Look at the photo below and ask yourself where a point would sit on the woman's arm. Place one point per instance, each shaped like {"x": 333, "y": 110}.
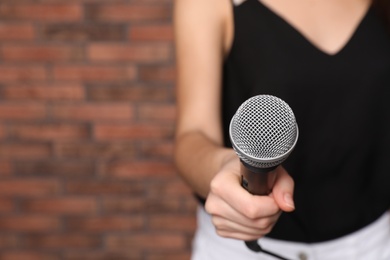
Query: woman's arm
{"x": 203, "y": 31}
{"x": 199, "y": 36}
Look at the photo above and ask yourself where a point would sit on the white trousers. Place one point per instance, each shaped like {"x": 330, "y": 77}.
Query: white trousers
{"x": 370, "y": 243}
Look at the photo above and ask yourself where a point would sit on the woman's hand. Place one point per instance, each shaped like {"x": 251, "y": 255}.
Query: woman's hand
{"x": 238, "y": 214}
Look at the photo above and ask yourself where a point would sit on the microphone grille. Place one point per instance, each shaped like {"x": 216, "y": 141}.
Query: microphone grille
{"x": 263, "y": 131}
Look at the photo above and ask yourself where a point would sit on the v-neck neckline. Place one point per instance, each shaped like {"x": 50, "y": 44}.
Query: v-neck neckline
{"x": 308, "y": 40}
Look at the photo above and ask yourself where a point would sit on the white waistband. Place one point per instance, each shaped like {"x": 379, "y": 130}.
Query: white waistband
{"x": 370, "y": 243}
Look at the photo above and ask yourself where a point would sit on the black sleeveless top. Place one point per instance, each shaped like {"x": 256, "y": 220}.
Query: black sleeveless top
{"x": 342, "y": 105}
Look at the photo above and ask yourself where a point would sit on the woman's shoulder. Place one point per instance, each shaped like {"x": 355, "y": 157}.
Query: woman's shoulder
{"x": 204, "y": 8}
{"x": 203, "y": 14}
{"x": 204, "y": 22}
{"x": 206, "y": 3}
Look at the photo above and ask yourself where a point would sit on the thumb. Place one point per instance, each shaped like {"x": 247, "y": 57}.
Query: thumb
{"x": 283, "y": 190}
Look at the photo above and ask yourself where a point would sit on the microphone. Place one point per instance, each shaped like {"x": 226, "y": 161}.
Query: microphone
{"x": 263, "y": 133}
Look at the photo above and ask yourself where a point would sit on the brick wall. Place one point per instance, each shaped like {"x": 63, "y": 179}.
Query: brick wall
{"x": 86, "y": 126}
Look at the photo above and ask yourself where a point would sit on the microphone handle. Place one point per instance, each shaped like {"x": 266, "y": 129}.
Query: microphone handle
{"x": 257, "y": 181}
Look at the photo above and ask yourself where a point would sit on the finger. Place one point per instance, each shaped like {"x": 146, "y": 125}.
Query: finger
{"x": 230, "y": 190}
{"x": 283, "y": 190}
{"x": 239, "y": 235}
{"x": 219, "y": 208}
{"x": 256, "y": 228}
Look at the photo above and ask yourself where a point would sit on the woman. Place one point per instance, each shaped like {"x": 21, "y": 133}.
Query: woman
{"x": 330, "y": 61}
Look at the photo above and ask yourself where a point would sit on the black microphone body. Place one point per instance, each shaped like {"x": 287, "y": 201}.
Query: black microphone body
{"x": 263, "y": 133}
{"x": 257, "y": 181}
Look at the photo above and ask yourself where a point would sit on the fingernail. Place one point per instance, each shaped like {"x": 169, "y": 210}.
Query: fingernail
{"x": 289, "y": 200}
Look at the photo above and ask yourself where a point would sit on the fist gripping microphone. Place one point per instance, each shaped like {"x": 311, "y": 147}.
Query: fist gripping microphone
{"x": 263, "y": 133}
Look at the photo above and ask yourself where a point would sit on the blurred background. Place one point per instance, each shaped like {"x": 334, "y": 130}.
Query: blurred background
{"x": 86, "y": 129}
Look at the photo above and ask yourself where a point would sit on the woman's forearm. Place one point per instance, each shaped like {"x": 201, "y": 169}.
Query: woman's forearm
{"x": 198, "y": 159}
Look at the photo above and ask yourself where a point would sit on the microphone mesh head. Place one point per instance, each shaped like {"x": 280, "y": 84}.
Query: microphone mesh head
{"x": 263, "y": 131}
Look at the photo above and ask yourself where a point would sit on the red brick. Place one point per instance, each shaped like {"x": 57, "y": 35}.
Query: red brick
{"x": 96, "y": 150}
{"x": 6, "y": 206}
{"x": 94, "y": 73}
{"x": 55, "y": 132}
{"x": 29, "y": 188}
{"x": 106, "y": 224}
{"x": 141, "y": 205}
{"x": 41, "y": 12}
{"x": 27, "y": 255}
{"x": 157, "y": 74}
{"x": 92, "y": 112}
{"x": 84, "y": 32}
{"x": 157, "y": 112}
{"x": 105, "y": 188}
{"x": 80, "y": 180}
{"x": 102, "y": 255}
{"x": 22, "y": 111}
{"x": 132, "y": 132}
{"x": 16, "y": 32}
{"x": 62, "y": 241}
{"x": 131, "y": 93}
{"x": 186, "y": 223}
{"x": 3, "y": 132}
{"x": 137, "y": 170}
{"x": 43, "y": 92}
{"x": 156, "y": 150}
{"x": 62, "y": 206}
{"x": 128, "y": 13}
{"x": 8, "y": 241}
{"x": 190, "y": 205}
{"x": 29, "y": 223}
{"x": 135, "y": 53}
{"x": 5, "y": 168}
{"x": 153, "y": 32}
{"x": 171, "y": 256}
{"x": 24, "y": 151}
{"x": 48, "y": 53}
{"x": 12, "y": 73}
{"x": 175, "y": 188}
{"x": 146, "y": 242}
{"x": 55, "y": 168}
